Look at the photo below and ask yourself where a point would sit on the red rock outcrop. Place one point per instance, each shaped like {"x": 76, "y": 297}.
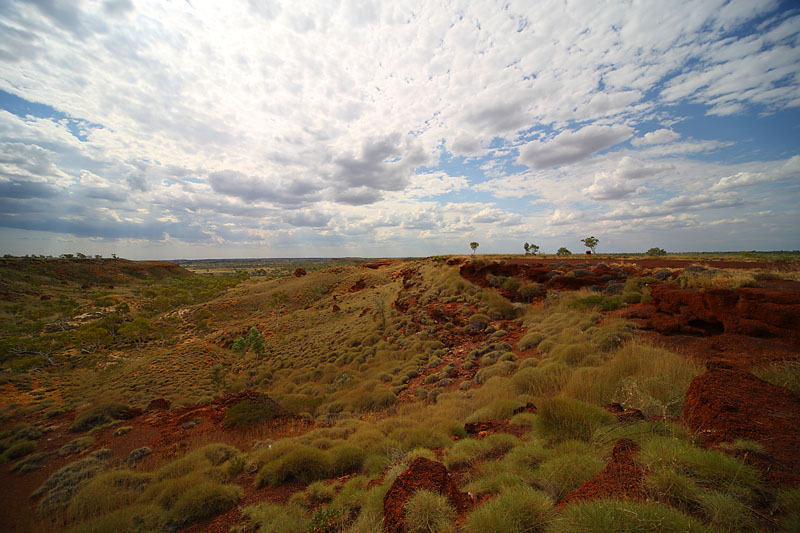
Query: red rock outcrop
{"x": 622, "y": 478}
{"x": 726, "y": 403}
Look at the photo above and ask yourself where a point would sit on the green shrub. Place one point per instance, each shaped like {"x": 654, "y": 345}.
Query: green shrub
{"x": 17, "y": 450}
{"x": 710, "y": 469}
{"x": 98, "y": 416}
{"x": 347, "y": 459}
{"x": 600, "y": 302}
{"x": 788, "y": 503}
{"x": 497, "y": 410}
{"x": 726, "y": 513}
{"x": 543, "y": 380}
{"x": 478, "y": 321}
{"x": 530, "y": 340}
{"x": 303, "y": 464}
{"x": 248, "y": 413}
{"x": 492, "y": 482}
{"x": 565, "y": 418}
{"x": 56, "y": 492}
{"x": 205, "y": 499}
{"x": 464, "y": 452}
{"x": 76, "y": 445}
{"x": 503, "y": 368}
{"x": 141, "y": 517}
{"x": 623, "y": 515}
{"x": 782, "y": 373}
{"x": 529, "y": 291}
{"x": 270, "y": 517}
{"x": 426, "y": 438}
{"x": 428, "y": 511}
{"x": 563, "y": 473}
{"x": 329, "y": 518}
{"x": 512, "y": 284}
{"x": 107, "y": 492}
{"x": 29, "y": 464}
{"x": 517, "y": 509}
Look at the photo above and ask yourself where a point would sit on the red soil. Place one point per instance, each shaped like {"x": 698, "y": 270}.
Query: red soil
{"x": 621, "y": 478}
{"x": 660, "y": 263}
{"x": 422, "y": 474}
{"x": 726, "y": 404}
{"x": 754, "y": 312}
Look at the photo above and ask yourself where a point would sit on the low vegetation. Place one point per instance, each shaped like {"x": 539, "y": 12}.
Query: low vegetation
{"x": 370, "y": 366}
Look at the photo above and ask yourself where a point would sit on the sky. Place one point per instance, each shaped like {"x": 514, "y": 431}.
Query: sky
{"x": 258, "y": 128}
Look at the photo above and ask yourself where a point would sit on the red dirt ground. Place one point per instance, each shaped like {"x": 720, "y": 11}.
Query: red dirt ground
{"x": 726, "y": 404}
{"x": 621, "y": 478}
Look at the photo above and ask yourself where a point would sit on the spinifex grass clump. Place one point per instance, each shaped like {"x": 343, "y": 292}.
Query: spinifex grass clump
{"x": 428, "y": 511}
{"x": 249, "y": 413}
{"x": 517, "y": 508}
{"x": 98, "y": 416}
{"x": 56, "y": 492}
{"x": 623, "y": 515}
{"x": 564, "y": 418}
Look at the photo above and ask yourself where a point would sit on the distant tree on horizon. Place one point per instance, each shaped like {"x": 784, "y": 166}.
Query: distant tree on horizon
{"x": 531, "y": 249}
{"x": 474, "y": 245}
{"x": 590, "y": 242}
{"x": 562, "y": 252}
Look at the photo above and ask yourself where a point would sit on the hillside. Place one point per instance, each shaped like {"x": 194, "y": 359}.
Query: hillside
{"x": 448, "y": 393}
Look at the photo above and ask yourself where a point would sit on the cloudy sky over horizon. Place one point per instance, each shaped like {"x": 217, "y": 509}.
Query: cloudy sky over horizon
{"x": 256, "y": 128}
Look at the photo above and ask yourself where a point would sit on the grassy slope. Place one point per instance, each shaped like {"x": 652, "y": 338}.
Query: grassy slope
{"x": 352, "y": 362}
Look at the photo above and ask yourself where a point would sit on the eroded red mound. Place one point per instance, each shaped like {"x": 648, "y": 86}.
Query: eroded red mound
{"x": 754, "y": 312}
{"x": 621, "y": 478}
{"x": 725, "y": 404}
{"x": 422, "y": 474}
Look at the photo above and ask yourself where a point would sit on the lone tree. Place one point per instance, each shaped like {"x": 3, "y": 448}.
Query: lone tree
{"x": 590, "y": 242}
{"x": 531, "y": 249}
{"x": 562, "y": 252}
{"x": 656, "y": 251}
{"x": 474, "y": 245}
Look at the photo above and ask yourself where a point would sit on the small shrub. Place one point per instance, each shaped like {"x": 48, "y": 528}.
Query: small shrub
{"x": 29, "y": 464}
{"x": 600, "y": 302}
{"x": 141, "y": 517}
{"x": 270, "y": 517}
{"x": 624, "y": 515}
{"x": 303, "y": 464}
{"x": 17, "y": 450}
{"x": 59, "y": 488}
{"x": 428, "y": 511}
{"x": 76, "y": 445}
{"x": 782, "y": 373}
{"x": 512, "y": 284}
{"x": 347, "y": 459}
{"x": 564, "y": 418}
{"x": 107, "y": 492}
{"x": 204, "y": 500}
{"x": 502, "y": 368}
{"x": 516, "y": 509}
{"x": 98, "y": 416}
{"x": 248, "y": 413}
{"x": 529, "y": 291}
{"x": 426, "y": 438}
{"x": 478, "y": 321}
{"x": 530, "y": 340}
{"x": 564, "y": 473}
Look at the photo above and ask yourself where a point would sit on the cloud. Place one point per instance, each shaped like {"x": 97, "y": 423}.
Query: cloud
{"x": 789, "y": 170}
{"x": 291, "y": 192}
{"x": 569, "y": 146}
{"x": 611, "y": 187}
{"x": 660, "y": 136}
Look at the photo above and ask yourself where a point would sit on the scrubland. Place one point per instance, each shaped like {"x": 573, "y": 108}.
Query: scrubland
{"x": 372, "y": 366}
